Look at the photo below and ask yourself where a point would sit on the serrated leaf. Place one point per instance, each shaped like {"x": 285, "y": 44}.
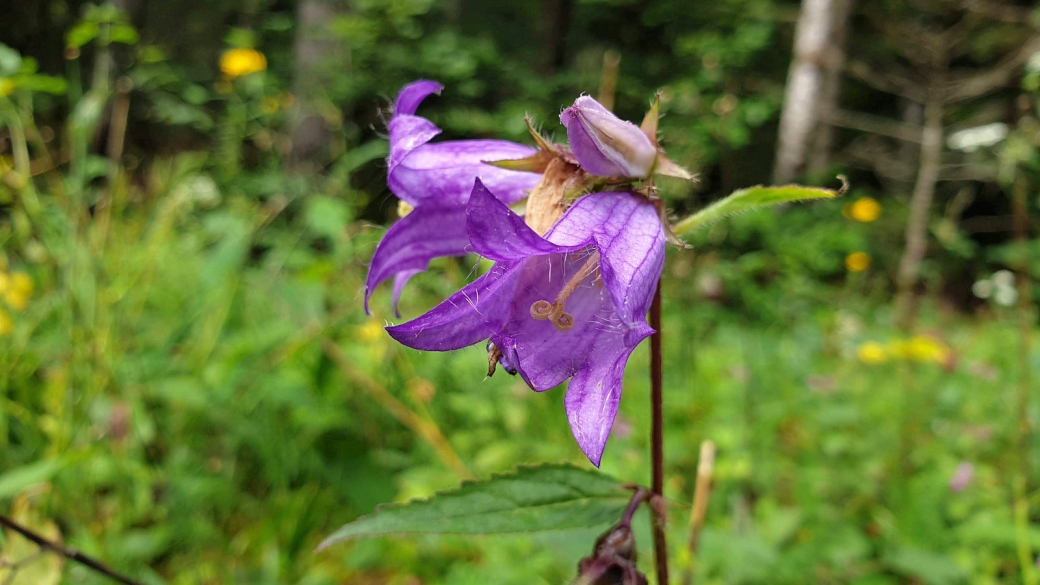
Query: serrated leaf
{"x": 749, "y": 199}
{"x": 529, "y": 499}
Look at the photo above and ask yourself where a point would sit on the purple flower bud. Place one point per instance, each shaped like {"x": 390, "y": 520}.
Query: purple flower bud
{"x": 606, "y": 145}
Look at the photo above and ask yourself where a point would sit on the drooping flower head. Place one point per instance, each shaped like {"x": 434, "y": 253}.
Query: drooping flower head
{"x": 571, "y": 304}
{"x": 435, "y": 180}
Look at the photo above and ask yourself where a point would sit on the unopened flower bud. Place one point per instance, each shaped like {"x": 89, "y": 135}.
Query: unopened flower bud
{"x": 606, "y": 145}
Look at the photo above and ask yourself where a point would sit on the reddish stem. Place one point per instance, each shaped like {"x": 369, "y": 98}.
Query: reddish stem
{"x": 657, "y": 435}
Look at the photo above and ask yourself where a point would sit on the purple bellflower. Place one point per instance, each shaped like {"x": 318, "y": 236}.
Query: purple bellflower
{"x": 435, "y": 180}
{"x": 569, "y": 304}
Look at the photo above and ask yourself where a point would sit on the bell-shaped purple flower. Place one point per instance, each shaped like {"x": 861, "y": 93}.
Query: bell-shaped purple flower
{"x": 571, "y": 304}
{"x": 436, "y": 180}
{"x": 606, "y": 145}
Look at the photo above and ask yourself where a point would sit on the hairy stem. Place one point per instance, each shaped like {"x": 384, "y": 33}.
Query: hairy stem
{"x": 657, "y": 435}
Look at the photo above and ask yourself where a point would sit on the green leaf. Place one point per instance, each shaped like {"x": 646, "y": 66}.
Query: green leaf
{"x": 749, "y": 199}
{"x": 81, "y": 34}
{"x": 40, "y": 83}
{"x": 929, "y": 567}
{"x": 14, "y": 481}
{"x": 123, "y": 33}
{"x": 529, "y": 499}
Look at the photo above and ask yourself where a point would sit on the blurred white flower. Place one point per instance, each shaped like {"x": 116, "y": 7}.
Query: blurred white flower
{"x": 971, "y": 139}
{"x": 982, "y": 289}
{"x": 1005, "y": 296}
{"x": 1004, "y": 278}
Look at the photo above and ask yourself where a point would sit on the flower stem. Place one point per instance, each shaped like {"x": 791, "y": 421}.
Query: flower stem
{"x": 657, "y": 435}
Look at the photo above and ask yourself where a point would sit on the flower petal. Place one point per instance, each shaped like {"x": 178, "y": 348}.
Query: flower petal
{"x": 413, "y": 241}
{"x": 544, "y": 355}
{"x": 443, "y": 172}
{"x": 466, "y": 317}
{"x": 498, "y": 233}
{"x": 592, "y": 402}
{"x": 628, "y": 234}
{"x": 413, "y": 94}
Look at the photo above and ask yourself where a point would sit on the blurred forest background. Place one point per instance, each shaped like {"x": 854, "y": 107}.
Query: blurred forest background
{"x": 190, "y": 193}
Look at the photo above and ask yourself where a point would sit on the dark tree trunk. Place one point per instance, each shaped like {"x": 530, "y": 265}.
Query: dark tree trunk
{"x": 313, "y": 49}
{"x": 554, "y": 26}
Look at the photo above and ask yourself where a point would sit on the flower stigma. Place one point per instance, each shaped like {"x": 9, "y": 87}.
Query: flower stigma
{"x": 555, "y": 311}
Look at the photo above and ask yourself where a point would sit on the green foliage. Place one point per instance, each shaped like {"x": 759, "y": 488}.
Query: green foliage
{"x": 531, "y": 499}
{"x": 749, "y": 199}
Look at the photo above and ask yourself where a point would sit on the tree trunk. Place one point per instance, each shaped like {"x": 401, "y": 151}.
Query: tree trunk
{"x": 920, "y": 207}
{"x": 804, "y": 89}
{"x": 830, "y": 94}
{"x": 313, "y": 48}
{"x": 555, "y": 24}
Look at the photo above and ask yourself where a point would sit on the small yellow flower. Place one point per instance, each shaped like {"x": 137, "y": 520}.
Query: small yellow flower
{"x": 16, "y": 289}
{"x": 872, "y": 353}
{"x": 6, "y": 324}
{"x": 238, "y": 62}
{"x": 857, "y": 261}
{"x": 865, "y": 209}
{"x": 269, "y": 105}
{"x": 369, "y": 332}
{"x": 922, "y": 348}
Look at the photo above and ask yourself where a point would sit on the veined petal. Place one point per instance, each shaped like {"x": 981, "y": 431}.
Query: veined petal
{"x": 498, "y": 233}
{"x": 466, "y": 317}
{"x": 592, "y": 402}
{"x": 413, "y": 94}
{"x": 628, "y": 234}
{"x": 443, "y": 172}
{"x": 412, "y": 242}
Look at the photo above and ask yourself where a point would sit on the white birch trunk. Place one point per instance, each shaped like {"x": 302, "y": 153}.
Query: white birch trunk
{"x": 804, "y": 88}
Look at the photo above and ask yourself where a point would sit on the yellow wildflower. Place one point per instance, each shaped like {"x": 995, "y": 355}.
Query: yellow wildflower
{"x": 16, "y": 288}
{"x": 922, "y": 348}
{"x": 238, "y": 62}
{"x": 6, "y": 324}
{"x": 865, "y": 209}
{"x": 857, "y": 261}
{"x": 369, "y": 332}
{"x": 872, "y": 353}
